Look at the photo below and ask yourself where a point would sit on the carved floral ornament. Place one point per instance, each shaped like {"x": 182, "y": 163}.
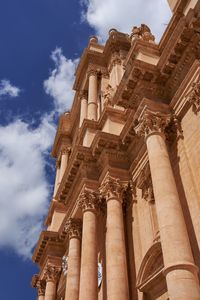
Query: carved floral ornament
{"x": 89, "y": 200}
{"x": 151, "y": 123}
{"x": 73, "y": 228}
{"x": 52, "y": 273}
{"x": 39, "y": 284}
{"x": 112, "y": 188}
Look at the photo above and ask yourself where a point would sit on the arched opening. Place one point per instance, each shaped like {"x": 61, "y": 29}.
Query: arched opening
{"x": 151, "y": 280}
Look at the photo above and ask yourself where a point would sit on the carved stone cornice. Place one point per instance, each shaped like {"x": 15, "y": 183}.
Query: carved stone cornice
{"x": 52, "y": 273}
{"x": 73, "y": 228}
{"x": 112, "y": 188}
{"x": 39, "y": 284}
{"x": 89, "y": 201}
{"x": 152, "y": 123}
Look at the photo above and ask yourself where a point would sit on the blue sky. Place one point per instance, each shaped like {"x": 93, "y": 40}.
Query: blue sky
{"x": 41, "y": 42}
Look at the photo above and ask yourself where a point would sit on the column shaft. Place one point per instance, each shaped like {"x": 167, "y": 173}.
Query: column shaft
{"x": 63, "y": 164}
{"x": 179, "y": 264}
{"x": 89, "y": 262}
{"x": 92, "y": 96}
{"x": 41, "y": 297}
{"x": 116, "y": 267}
{"x": 50, "y": 291}
{"x": 83, "y": 109}
{"x": 73, "y": 275}
{"x": 56, "y": 180}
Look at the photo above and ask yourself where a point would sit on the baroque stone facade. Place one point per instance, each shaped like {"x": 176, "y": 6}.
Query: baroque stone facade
{"x": 124, "y": 220}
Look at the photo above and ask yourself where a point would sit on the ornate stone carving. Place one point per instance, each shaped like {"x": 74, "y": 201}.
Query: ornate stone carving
{"x": 83, "y": 94}
{"x": 73, "y": 228}
{"x": 174, "y": 130}
{"x": 143, "y": 32}
{"x": 89, "y": 200}
{"x": 65, "y": 150}
{"x": 39, "y": 284}
{"x": 108, "y": 95}
{"x": 65, "y": 264}
{"x": 92, "y": 70}
{"x": 144, "y": 183}
{"x": 194, "y": 97}
{"x": 152, "y": 122}
{"x": 52, "y": 273}
{"x": 112, "y": 188}
{"x": 129, "y": 196}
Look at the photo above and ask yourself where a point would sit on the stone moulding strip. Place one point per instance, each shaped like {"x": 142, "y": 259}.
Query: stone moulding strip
{"x": 181, "y": 266}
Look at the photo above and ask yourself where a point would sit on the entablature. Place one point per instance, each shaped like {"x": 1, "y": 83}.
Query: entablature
{"x": 63, "y": 134}
{"x": 49, "y": 243}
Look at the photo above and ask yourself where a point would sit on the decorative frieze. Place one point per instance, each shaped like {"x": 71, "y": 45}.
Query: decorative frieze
{"x": 52, "y": 273}
{"x": 89, "y": 200}
{"x": 73, "y": 228}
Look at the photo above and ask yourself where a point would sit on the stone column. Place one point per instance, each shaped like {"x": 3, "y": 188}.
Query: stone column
{"x": 39, "y": 285}
{"x": 51, "y": 275}
{"x": 89, "y": 260}
{"x": 116, "y": 265}
{"x": 57, "y": 178}
{"x": 92, "y": 95}
{"x": 180, "y": 270}
{"x": 73, "y": 229}
{"x": 83, "y": 107}
{"x": 65, "y": 151}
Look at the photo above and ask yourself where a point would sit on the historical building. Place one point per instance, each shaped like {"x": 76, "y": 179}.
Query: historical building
{"x": 124, "y": 220}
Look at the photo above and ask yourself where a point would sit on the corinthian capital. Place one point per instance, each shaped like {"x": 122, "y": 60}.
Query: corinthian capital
{"x": 73, "y": 228}
{"x": 152, "y": 123}
{"x": 89, "y": 200}
{"x": 52, "y": 273}
{"x": 112, "y": 188}
{"x": 39, "y": 284}
{"x": 92, "y": 70}
{"x": 65, "y": 150}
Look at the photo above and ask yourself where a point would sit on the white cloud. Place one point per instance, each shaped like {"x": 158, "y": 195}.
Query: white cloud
{"x": 59, "y": 84}
{"x": 24, "y": 190}
{"x": 124, "y": 14}
{"x": 7, "y": 89}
